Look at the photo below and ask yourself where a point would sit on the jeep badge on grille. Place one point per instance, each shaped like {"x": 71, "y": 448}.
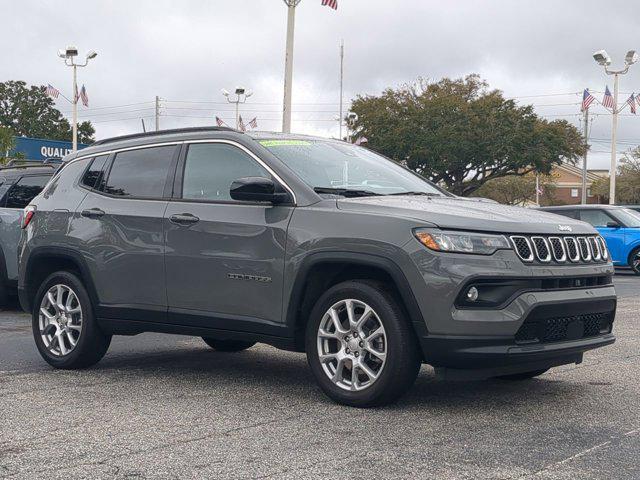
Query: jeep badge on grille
{"x": 565, "y": 228}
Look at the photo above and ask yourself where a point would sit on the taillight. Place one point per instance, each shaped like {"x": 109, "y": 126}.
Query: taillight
{"x": 29, "y": 212}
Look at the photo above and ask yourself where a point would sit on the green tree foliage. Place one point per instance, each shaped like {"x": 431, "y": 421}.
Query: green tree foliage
{"x": 461, "y": 134}
{"x": 517, "y": 190}
{"x": 627, "y": 180}
{"x": 6, "y": 142}
{"x": 29, "y": 112}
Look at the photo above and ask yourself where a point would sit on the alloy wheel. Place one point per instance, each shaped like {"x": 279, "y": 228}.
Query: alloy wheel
{"x": 60, "y": 320}
{"x": 635, "y": 262}
{"x": 352, "y": 345}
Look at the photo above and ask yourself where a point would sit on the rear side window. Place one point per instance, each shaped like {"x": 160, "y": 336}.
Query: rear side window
{"x": 23, "y": 191}
{"x": 597, "y": 218}
{"x": 565, "y": 213}
{"x": 210, "y": 168}
{"x": 94, "y": 176}
{"x": 140, "y": 173}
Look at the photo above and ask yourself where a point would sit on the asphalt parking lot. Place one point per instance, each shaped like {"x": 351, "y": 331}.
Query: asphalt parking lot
{"x": 169, "y": 407}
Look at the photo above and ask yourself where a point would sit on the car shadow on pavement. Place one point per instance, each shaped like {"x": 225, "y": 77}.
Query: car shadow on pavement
{"x": 267, "y": 372}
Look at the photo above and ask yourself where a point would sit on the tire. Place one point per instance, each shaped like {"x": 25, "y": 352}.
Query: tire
{"x": 4, "y": 295}
{"x": 524, "y": 375}
{"x": 227, "y": 345}
{"x": 634, "y": 261}
{"x": 91, "y": 343}
{"x": 393, "y": 376}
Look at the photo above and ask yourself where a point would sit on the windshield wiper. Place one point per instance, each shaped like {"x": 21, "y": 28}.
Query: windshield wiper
{"x": 426, "y": 194}
{"x": 346, "y": 192}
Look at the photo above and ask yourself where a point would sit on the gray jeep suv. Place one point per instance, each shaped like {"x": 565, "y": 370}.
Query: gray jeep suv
{"x": 311, "y": 245}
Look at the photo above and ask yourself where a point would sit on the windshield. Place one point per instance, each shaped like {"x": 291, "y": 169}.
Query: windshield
{"x": 329, "y": 165}
{"x": 628, "y": 217}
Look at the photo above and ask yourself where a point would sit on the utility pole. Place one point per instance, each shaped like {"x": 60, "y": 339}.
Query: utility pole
{"x": 537, "y": 189}
{"x": 341, "y": 82}
{"x": 157, "y": 113}
{"x": 603, "y": 59}
{"x": 288, "y": 65}
{"x": 584, "y": 159}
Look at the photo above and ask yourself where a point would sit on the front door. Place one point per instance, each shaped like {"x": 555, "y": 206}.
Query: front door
{"x": 224, "y": 258}
{"x": 614, "y": 236}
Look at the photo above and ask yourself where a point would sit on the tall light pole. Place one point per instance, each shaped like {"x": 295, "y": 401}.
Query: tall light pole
{"x": 288, "y": 65}
{"x": 241, "y": 97}
{"x": 603, "y": 59}
{"x": 69, "y": 54}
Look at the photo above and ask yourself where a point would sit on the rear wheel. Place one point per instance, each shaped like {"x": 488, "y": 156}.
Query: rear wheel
{"x": 64, "y": 327}
{"x": 524, "y": 375}
{"x": 227, "y": 345}
{"x": 634, "y": 261}
{"x": 360, "y": 346}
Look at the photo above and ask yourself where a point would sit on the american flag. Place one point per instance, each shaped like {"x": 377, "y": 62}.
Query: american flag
{"x": 219, "y": 121}
{"x": 632, "y": 103}
{"x": 331, "y": 3}
{"x": 241, "y": 124}
{"x": 84, "y": 97}
{"x": 52, "y": 91}
{"x": 254, "y": 123}
{"x": 75, "y": 95}
{"x": 587, "y": 99}
{"x": 607, "y": 100}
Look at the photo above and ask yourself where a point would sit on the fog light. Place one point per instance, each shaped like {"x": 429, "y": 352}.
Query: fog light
{"x": 472, "y": 294}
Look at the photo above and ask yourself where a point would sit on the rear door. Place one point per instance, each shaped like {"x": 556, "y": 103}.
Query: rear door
{"x": 224, "y": 258}
{"x": 119, "y": 228}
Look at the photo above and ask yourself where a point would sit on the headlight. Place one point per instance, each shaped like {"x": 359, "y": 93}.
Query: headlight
{"x": 461, "y": 242}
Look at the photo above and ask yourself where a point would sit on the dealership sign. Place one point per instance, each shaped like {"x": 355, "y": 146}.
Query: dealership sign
{"x": 40, "y": 149}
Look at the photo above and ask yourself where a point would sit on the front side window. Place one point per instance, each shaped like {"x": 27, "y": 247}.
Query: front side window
{"x": 210, "y": 168}
{"x": 597, "y": 218}
{"x": 94, "y": 176}
{"x": 325, "y": 164}
{"x": 627, "y": 217}
{"x": 23, "y": 191}
{"x": 140, "y": 173}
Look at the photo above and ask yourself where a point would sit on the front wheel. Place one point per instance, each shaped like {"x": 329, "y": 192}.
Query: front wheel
{"x": 634, "y": 261}
{"x": 64, "y": 327}
{"x": 360, "y": 347}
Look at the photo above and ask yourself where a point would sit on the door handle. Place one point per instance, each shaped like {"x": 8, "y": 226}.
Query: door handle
{"x": 92, "y": 213}
{"x": 183, "y": 218}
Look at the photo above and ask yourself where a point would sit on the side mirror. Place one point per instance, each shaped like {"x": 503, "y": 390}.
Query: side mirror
{"x": 613, "y": 224}
{"x": 258, "y": 189}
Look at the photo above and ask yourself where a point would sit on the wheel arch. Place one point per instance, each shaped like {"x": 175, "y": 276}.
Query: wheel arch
{"x": 43, "y": 261}
{"x": 321, "y": 270}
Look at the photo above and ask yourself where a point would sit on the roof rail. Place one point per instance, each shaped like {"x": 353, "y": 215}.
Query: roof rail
{"x": 164, "y": 132}
{"x": 31, "y": 164}
{"x": 52, "y": 160}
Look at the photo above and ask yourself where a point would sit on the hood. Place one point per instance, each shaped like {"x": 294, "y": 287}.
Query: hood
{"x": 467, "y": 214}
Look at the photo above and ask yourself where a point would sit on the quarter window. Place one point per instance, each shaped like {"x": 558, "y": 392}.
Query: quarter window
{"x": 23, "y": 191}
{"x": 210, "y": 168}
{"x": 140, "y": 173}
{"x": 94, "y": 176}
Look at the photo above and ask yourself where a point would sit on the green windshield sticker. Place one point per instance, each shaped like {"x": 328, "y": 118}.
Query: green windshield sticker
{"x": 279, "y": 143}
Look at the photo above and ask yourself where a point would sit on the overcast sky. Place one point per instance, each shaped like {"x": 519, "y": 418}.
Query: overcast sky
{"x": 187, "y": 51}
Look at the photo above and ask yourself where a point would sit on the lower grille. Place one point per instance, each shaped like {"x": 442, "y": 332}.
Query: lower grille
{"x": 560, "y": 329}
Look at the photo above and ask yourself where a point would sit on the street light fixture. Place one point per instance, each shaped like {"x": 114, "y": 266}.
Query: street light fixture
{"x": 241, "y": 97}
{"x": 68, "y": 54}
{"x": 603, "y": 59}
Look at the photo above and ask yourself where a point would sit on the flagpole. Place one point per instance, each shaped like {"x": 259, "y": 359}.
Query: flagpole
{"x": 537, "y": 189}
{"x": 288, "y": 65}
{"x": 584, "y": 159}
{"x": 341, "y": 83}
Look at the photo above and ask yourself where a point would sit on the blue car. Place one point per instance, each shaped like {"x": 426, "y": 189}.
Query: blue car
{"x": 620, "y": 227}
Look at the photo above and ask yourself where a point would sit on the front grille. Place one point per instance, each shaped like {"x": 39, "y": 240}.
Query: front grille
{"x": 560, "y": 250}
{"x": 559, "y": 329}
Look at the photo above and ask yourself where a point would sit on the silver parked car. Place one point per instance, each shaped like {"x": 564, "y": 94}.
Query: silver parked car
{"x": 19, "y": 183}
